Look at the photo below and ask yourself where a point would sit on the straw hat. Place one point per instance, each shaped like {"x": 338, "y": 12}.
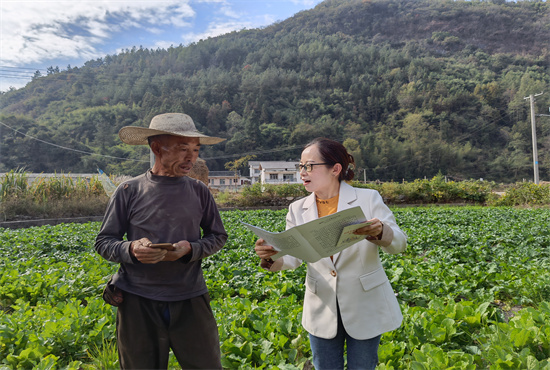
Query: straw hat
{"x": 177, "y": 124}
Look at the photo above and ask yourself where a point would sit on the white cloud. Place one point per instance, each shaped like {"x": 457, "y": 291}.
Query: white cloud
{"x": 35, "y": 34}
{"x": 33, "y": 31}
{"x": 215, "y": 29}
{"x": 306, "y": 3}
{"x": 229, "y": 12}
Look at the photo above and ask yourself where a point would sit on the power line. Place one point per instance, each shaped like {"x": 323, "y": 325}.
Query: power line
{"x": 70, "y": 149}
{"x": 11, "y": 71}
{"x": 256, "y": 152}
{"x": 16, "y": 77}
{"x": 138, "y": 160}
{"x": 30, "y": 69}
{"x": 19, "y": 72}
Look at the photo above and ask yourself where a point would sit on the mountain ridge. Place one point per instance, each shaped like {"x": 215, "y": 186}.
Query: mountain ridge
{"x": 412, "y": 88}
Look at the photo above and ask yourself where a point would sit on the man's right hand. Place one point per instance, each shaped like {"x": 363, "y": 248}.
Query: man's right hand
{"x": 144, "y": 254}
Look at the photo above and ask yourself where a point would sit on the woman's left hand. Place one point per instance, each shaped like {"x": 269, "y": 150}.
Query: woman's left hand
{"x": 372, "y": 230}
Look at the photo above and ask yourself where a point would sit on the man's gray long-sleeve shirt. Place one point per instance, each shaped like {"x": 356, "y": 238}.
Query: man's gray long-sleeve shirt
{"x": 164, "y": 210}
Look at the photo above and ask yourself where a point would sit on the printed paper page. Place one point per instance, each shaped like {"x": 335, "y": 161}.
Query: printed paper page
{"x": 316, "y": 239}
{"x": 286, "y": 242}
{"x": 324, "y": 234}
{"x": 348, "y": 237}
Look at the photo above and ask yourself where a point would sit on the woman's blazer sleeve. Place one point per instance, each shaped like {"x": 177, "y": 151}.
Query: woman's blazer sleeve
{"x": 394, "y": 240}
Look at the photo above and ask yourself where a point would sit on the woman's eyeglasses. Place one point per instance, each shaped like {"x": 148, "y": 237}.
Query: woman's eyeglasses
{"x": 309, "y": 166}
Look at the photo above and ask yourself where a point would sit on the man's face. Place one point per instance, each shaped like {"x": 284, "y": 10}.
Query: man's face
{"x": 175, "y": 155}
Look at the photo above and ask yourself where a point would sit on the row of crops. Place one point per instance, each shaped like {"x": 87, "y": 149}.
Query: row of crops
{"x": 474, "y": 287}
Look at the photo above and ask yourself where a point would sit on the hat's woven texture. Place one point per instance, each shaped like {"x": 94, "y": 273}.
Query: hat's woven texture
{"x": 178, "y": 124}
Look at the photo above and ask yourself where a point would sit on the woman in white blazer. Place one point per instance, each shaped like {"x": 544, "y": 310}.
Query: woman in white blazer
{"x": 348, "y": 297}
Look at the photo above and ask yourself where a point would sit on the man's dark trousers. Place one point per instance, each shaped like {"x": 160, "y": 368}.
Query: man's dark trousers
{"x": 147, "y": 329}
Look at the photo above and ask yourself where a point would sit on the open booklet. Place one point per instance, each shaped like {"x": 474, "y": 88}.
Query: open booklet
{"x": 316, "y": 239}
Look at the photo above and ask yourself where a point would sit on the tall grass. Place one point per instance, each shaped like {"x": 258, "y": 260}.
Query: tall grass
{"x": 62, "y": 196}
{"x": 63, "y": 186}
{"x": 13, "y": 184}
{"x": 50, "y": 197}
{"x": 103, "y": 357}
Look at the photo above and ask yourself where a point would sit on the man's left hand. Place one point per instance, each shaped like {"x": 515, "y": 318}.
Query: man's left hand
{"x": 183, "y": 247}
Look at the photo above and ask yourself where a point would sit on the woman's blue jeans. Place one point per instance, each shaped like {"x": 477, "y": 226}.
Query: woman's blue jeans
{"x": 328, "y": 354}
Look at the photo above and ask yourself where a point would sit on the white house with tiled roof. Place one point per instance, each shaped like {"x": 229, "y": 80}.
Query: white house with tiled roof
{"x": 274, "y": 172}
{"x": 226, "y": 180}
{"x": 255, "y": 171}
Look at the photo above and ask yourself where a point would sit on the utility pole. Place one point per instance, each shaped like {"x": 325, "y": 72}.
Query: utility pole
{"x": 534, "y": 136}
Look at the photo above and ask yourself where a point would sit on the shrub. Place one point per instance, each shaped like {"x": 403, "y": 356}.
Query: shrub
{"x": 436, "y": 190}
{"x": 269, "y": 195}
{"x": 524, "y": 193}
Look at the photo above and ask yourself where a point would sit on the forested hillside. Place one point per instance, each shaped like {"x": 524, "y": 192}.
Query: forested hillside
{"x": 412, "y": 88}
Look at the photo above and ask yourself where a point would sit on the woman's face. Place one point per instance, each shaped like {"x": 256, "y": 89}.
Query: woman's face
{"x": 322, "y": 178}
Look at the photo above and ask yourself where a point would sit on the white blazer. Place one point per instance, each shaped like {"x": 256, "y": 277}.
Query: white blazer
{"x": 356, "y": 278}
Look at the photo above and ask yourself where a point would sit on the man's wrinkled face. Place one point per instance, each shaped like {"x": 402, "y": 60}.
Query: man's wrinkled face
{"x": 175, "y": 155}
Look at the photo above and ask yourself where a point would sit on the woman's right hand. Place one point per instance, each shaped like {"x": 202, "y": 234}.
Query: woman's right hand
{"x": 263, "y": 250}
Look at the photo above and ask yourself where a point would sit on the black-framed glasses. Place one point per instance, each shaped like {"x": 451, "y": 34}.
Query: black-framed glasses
{"x": 309, "y": 166}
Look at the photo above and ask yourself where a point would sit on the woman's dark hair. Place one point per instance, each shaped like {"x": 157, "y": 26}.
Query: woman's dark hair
{"x": 333, "y": 152}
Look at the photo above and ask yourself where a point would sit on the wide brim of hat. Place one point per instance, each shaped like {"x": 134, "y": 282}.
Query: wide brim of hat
{"x": 133, "y": 135}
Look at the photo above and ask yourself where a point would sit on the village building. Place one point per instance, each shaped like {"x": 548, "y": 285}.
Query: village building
{"x": 226, "y": 180}
{"x": 274, "y": 172}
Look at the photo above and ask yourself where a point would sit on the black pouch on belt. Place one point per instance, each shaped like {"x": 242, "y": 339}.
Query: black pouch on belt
{"x": 112, "y": 295}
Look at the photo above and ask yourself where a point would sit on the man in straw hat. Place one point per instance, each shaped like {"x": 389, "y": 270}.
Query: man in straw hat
{"x": 159, "y": 290}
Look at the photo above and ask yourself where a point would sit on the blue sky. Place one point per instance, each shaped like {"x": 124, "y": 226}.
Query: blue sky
{"x": 37, "y": 34}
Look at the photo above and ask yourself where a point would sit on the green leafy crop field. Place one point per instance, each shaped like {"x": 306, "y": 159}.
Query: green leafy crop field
{"x": 474, "y": 287}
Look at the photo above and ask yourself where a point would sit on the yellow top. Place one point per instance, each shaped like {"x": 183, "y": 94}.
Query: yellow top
{"x": 326, "y": 207}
